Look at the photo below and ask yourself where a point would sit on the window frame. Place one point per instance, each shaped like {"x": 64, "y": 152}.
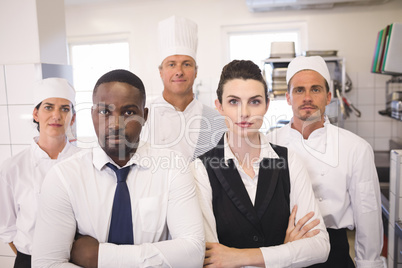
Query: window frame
{"x": 298, "y": 26}
{"x": 91, "y": 141}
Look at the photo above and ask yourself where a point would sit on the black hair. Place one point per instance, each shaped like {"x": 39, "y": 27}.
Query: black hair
{"x": 240, "y": 69}
{"x": 122, "y": 76}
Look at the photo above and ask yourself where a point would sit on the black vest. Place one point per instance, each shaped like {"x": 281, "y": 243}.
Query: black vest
{"x": 240, "y": 224}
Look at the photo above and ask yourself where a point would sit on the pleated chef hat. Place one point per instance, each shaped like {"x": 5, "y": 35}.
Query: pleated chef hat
{"x": 177, "y": 36}
{"x": 315, "y": 63}
{"x": 53, "y": 88}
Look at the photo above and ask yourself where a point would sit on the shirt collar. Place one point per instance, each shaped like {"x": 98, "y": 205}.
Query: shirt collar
{"x": 140, "y": 157}
{"x": 316, "y": 132}
{"x": 316, "y": 140}
{"x": 161, "y": 100}
{"x": 41, "y": 154}
{"x": 266, "y": 150}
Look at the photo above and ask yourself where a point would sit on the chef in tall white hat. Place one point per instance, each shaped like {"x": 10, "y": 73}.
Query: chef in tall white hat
{"x": 340, "y": 164}
{"x": 21, "y": 176}
{"x": 176, "y": 117}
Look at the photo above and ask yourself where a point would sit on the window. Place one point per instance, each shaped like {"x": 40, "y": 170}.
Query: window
{"x": 253, "y": 42}
{"x": 89, "y": 62}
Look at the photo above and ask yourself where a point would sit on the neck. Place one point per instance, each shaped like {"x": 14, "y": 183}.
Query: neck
{"x": 52, "y": 145}
{"x": 306, "y": 127}
{"x": 180, "y": 102}
{"x": 245, "y": 149}
{"x": 122, "y": 159}
{"x": 120, "y": 162}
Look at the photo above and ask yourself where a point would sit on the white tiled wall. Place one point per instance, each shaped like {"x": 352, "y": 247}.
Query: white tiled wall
{"x": 16, "y": 107}
{"x": 17, "y": 128}
{"x": 368, "y": 95}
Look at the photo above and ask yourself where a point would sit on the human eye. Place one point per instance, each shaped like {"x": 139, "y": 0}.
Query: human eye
{"x": 48, "y": 107}
{"x": 255, "y": 101}
{"x": 130, "y": 113}
{"x": 65, "y": 109}
{"x": 104, "y": 111}
{"x": 316, "y": 90}
{"x": 233, "y": 101}
{"x": 299, "y": 90}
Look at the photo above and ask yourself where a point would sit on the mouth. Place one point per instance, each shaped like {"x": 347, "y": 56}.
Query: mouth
{"x": 244, "y": 124}
{"x": 307, "y": 107}
{"x": 55, "y": 125}
{"x": 115, "y": 139}
{"x": 179, "y": 81}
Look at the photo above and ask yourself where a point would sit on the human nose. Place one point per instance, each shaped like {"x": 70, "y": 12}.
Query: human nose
{"x": 307, "y": 96}
{"x": 179, "y": 70}
{"x": 245, "y": 111}
{"x": 116, "y": 122}
{"x": 56, "y": 114}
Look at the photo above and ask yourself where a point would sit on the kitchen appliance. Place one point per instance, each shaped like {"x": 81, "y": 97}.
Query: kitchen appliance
{"x": 396, "y": 109}
{"x": 394, "y": 104}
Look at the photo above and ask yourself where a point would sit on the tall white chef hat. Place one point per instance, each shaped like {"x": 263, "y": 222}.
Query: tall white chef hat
{"x": 177, "y": 36}
{"x": 315, "y": 63}
{"x": 53, "y": 88}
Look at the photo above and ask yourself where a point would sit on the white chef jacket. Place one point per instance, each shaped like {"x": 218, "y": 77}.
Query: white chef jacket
{"x": 298, "y": 253}
{"x": 21, "y": 177}
{"x": 345, "y": 183}
{"x": 77, "y": 195}
{"x": 191, "y": 132}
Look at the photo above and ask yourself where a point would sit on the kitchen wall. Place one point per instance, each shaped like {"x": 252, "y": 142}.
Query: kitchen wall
{"x": 350, "y": 30}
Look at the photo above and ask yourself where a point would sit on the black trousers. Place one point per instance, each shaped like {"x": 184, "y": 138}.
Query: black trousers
{"x": 339, "y": 255}
{"x": 22, "y": 260}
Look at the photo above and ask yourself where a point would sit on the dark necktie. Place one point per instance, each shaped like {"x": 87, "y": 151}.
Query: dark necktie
{"x": 121, "y": 224}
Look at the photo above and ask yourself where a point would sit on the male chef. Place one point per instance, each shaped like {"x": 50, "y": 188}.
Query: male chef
{"x": 176, "y": 119}
{"x": 340, "y": 165}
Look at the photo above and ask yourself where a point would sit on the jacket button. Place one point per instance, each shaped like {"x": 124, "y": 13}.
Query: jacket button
{"x": 255, "y": 238}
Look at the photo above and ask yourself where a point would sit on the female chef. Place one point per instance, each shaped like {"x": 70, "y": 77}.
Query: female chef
{"x": 21, "y": 176}
{"x": 251, "y": 192}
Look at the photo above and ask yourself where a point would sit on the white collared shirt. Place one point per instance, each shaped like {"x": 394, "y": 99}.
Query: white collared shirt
{"x": 77, "y": 195}
{"x": 169, "y": 128}
{"x": 21, "y": 177}
{"x": 299, "y": 253}
{"x": 345, "y": 182}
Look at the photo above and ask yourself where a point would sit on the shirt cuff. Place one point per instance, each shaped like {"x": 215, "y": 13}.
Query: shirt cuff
{"x": 115, "y": 256}
{"x": 370, "y": 264}
{"x": 276, "y": 257}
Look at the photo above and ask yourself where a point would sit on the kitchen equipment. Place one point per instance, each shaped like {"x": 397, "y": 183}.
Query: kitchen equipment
{"x": 396, "y": 95}
{"x": 282, "y": 50}
{"x": 396, "y": 109}
{"x": 322, "y": 53}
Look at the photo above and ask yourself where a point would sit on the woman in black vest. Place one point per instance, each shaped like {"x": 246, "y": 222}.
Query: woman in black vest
{"x": 252, "y": 192}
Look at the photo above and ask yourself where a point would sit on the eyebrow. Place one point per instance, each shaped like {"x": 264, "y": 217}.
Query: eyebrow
{"x": 52, "y": 104}
{"x": 124, "y": 107}
{"x": 253, "y": 97}
{"x": 313, "y": 86}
